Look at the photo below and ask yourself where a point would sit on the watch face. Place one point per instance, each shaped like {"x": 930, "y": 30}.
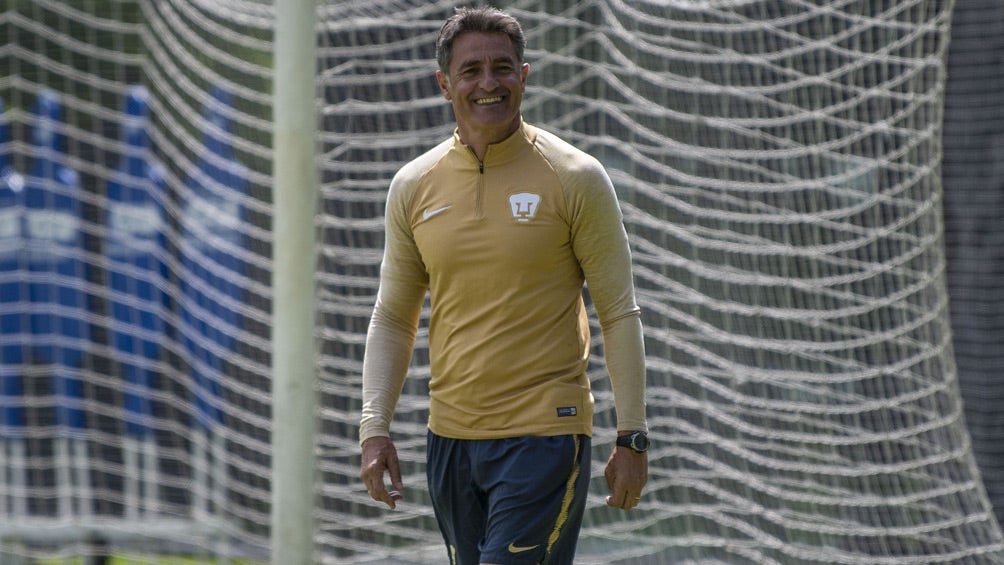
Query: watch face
{"x": 639, "y": 441}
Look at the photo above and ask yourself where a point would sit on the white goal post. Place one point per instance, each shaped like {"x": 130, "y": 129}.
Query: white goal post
{"x": 295, "y": 198}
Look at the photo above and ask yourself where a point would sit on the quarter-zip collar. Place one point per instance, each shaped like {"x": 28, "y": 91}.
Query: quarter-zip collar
{"x": 499, "y": 153}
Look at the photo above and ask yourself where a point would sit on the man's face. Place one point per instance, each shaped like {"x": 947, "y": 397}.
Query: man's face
{"x": 485, "y": 85}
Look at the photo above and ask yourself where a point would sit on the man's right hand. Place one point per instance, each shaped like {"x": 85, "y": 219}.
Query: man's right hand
{"x": 379, "y": 456}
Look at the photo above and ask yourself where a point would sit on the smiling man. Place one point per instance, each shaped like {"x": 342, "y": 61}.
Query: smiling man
{"x": 502, "y": 224}
{"x": 485, "y": 83}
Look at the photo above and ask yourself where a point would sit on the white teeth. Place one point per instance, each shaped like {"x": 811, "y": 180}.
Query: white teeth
{"x": 491, "y": 100}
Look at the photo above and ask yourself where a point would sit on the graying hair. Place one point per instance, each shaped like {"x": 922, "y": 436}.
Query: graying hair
{"x": 481, "y": 19}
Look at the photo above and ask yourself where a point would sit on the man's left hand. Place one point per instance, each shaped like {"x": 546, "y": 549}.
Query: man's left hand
{"x": 626, "y": 473}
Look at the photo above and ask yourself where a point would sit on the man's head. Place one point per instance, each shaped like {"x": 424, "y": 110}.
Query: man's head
{"x": 482, "y": 73}
{"x": 483, "y": 20}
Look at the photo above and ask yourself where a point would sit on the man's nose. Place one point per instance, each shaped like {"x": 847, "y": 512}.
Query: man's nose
{"x": 488, "y": 80}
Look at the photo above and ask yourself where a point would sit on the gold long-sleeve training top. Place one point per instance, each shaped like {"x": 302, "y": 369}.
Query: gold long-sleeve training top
{"x": 503, "y": 246}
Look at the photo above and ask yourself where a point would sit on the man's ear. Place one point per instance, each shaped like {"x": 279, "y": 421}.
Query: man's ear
{"x": 524, "y": 70}
{"x": 444, "y": 84}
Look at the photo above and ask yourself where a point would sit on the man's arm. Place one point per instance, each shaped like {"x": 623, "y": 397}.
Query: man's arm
{"x": 624, "y": 353}
{"x": 601, "y": 245}
{"x": 390, "y": 340}
{"x": 389, "y": 346}
{"x": 623, "y": 348}
{"x": 626, "y": 471}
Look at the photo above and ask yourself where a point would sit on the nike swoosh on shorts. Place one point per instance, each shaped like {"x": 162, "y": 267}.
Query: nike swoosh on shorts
{"x": 513, "y": 548}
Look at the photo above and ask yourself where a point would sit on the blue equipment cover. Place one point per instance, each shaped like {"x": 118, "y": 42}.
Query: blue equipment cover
{"x": 136, "y": 246}
{"x": 54, "y": 246}
{"x": 212, "y": 287}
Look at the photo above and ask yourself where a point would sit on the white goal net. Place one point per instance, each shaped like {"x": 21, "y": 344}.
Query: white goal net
{"x": 779, "y": 167}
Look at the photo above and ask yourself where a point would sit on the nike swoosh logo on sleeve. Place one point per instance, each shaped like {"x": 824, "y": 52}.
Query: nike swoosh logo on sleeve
{"x": 426, "y": 214}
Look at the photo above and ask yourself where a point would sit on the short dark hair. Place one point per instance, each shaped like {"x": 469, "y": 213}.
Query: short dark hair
{"x": 481, "y": 19}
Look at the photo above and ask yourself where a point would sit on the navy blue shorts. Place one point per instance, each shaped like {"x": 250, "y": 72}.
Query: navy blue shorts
{"x": 509, "y": 501}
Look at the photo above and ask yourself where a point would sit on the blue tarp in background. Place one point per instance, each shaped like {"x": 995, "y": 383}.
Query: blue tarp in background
{"x": 54, "y": 246}
{"x": 136, "y": 248}
{"x": 212, "y": 243}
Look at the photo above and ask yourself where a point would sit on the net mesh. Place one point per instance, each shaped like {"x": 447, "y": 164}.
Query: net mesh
{"x": 136, "y": 254}
{"x": 778, "y": 167}
{"x": 778, "y": 164}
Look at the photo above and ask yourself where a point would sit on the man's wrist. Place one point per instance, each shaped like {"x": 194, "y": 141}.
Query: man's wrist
{"x": 373, "y": 435}
{"x": 636, "y": 441}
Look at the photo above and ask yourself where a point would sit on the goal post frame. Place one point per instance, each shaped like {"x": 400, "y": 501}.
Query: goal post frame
{"x": 293, "y": 307}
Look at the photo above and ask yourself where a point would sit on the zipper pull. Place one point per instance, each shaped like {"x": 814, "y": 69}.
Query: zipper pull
{"x": 481, "y": 167}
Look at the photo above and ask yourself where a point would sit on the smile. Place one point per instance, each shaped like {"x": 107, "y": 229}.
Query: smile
{"x": 490, "y": 100}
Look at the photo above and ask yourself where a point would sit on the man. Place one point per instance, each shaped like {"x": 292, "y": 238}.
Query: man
{"x": 502, "y": 224}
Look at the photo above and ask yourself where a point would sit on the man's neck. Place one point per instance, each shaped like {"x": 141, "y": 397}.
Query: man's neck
{"x": 478, "y": 142}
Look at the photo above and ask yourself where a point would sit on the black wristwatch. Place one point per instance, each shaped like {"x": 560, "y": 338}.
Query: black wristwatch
{"x": 635, "y": 441}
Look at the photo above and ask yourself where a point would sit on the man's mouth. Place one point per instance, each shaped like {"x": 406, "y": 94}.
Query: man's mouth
{"x": 488, "y": 100}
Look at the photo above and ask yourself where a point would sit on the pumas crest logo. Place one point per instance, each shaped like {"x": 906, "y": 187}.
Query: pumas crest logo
{"x": 524, "y": 206}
